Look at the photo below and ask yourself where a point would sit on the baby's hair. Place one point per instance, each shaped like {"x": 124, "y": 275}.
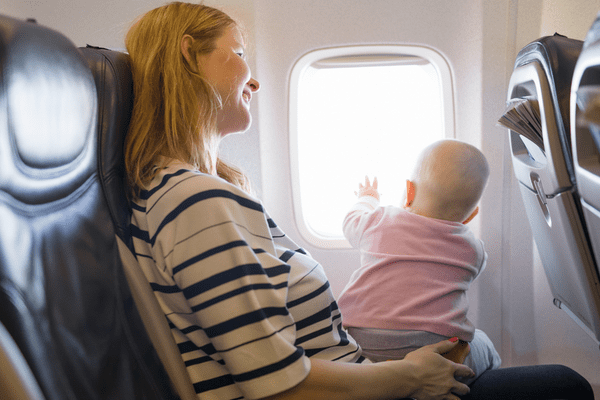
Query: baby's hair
{"x": 449, "y": 176}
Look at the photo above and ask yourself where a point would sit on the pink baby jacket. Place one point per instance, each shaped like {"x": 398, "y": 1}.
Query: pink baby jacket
{"x": 414, "y": 274}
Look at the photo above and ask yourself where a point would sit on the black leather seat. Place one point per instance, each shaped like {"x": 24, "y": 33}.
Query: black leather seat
{"x": 64, "y": 298}
{"x": 543, "y": 71}
{"x": 112, "y": 74}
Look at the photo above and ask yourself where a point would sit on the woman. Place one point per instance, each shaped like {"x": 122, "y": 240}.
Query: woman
{"x": 251, "y": 312}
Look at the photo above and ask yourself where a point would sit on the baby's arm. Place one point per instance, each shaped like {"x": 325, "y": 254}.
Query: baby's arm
{"x": 360, "y": 215}
{"x": 368, "y": 189}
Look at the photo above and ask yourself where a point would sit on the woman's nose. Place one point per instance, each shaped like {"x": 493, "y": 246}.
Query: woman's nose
{"x": 254, "y": 85}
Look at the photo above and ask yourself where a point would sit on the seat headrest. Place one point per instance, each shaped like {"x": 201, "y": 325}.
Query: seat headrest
{"x": 47, "y": 113}
{"x": 593, "y": 35}
{"x": 112, "y": 73}
{"x": 557, "y": 56}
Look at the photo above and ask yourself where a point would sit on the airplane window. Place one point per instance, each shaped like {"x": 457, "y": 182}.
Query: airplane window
{"x": 361, "y": 111}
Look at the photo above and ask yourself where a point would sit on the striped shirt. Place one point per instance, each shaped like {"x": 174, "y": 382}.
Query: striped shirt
{"x": 246, "y": 305}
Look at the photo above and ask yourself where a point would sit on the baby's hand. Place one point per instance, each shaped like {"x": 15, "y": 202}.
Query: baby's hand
{"x": 368, "y": 189}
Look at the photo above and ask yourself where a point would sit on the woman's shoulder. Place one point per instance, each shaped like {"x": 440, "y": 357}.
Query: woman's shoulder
{"x": 179, "y": 183}
{"x": 180, "y": 179}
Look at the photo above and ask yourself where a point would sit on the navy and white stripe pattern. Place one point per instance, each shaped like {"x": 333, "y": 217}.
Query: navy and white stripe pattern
{"x": 245, "y": 304}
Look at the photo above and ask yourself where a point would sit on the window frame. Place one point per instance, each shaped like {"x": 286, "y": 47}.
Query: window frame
{"x": 380, "y": 55}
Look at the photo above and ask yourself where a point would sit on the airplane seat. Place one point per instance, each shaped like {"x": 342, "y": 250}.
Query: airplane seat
{"x": 64, "y": 300}
{"x": 585, "y": 135}
{"x": 543, "y": 165}
{"x": 112, "y": 73}
{"x": 114, "y": 86}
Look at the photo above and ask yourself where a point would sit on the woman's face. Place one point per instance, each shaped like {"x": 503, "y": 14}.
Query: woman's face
{"x": 226, "y": 69}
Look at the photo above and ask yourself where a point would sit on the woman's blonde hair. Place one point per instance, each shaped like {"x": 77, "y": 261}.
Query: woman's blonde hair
{"x": 174, "y": 108}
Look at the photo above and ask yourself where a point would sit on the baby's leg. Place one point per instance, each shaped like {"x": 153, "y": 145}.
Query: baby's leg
{"x": 384, "y": 344}
{"x": 483, "y": 356}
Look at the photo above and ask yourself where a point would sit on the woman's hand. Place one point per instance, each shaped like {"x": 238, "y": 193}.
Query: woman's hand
{"x": 459, "y": 352}
{"x": 435, "y": 375}
{"x": 423, "y": 375}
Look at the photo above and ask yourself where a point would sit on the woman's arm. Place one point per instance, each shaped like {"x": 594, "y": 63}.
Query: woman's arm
{"x": 423, "y": 374}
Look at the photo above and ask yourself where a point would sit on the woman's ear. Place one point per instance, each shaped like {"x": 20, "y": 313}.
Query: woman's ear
{"x": 410, "y": 193}
{"x": 186, "y": 45}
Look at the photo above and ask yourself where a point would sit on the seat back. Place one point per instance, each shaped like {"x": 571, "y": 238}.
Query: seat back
{"x": 112, "y": 73}
{"x": 585, "y": 136}
{"x": 112, "y": 76}
{"x": 64, "y": 298}
{"x": 545, "y": 173}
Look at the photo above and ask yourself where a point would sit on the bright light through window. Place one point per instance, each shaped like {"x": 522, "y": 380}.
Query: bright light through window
{"x": 357, "y": 116}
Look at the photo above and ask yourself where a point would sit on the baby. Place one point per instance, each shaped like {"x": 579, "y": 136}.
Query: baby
{"x": 417, "y": 262}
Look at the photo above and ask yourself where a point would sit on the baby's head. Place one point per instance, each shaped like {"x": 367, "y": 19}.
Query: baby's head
{"x": 448, "y": 181}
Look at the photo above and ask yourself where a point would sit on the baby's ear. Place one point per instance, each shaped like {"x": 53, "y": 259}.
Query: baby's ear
{"x": 410, "y": 193}
{"x": 470, "y": 217}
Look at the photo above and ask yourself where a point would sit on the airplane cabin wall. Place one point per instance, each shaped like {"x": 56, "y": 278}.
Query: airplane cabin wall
{"x": 511, "y": 300}
{"x": 285, "y": 32}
